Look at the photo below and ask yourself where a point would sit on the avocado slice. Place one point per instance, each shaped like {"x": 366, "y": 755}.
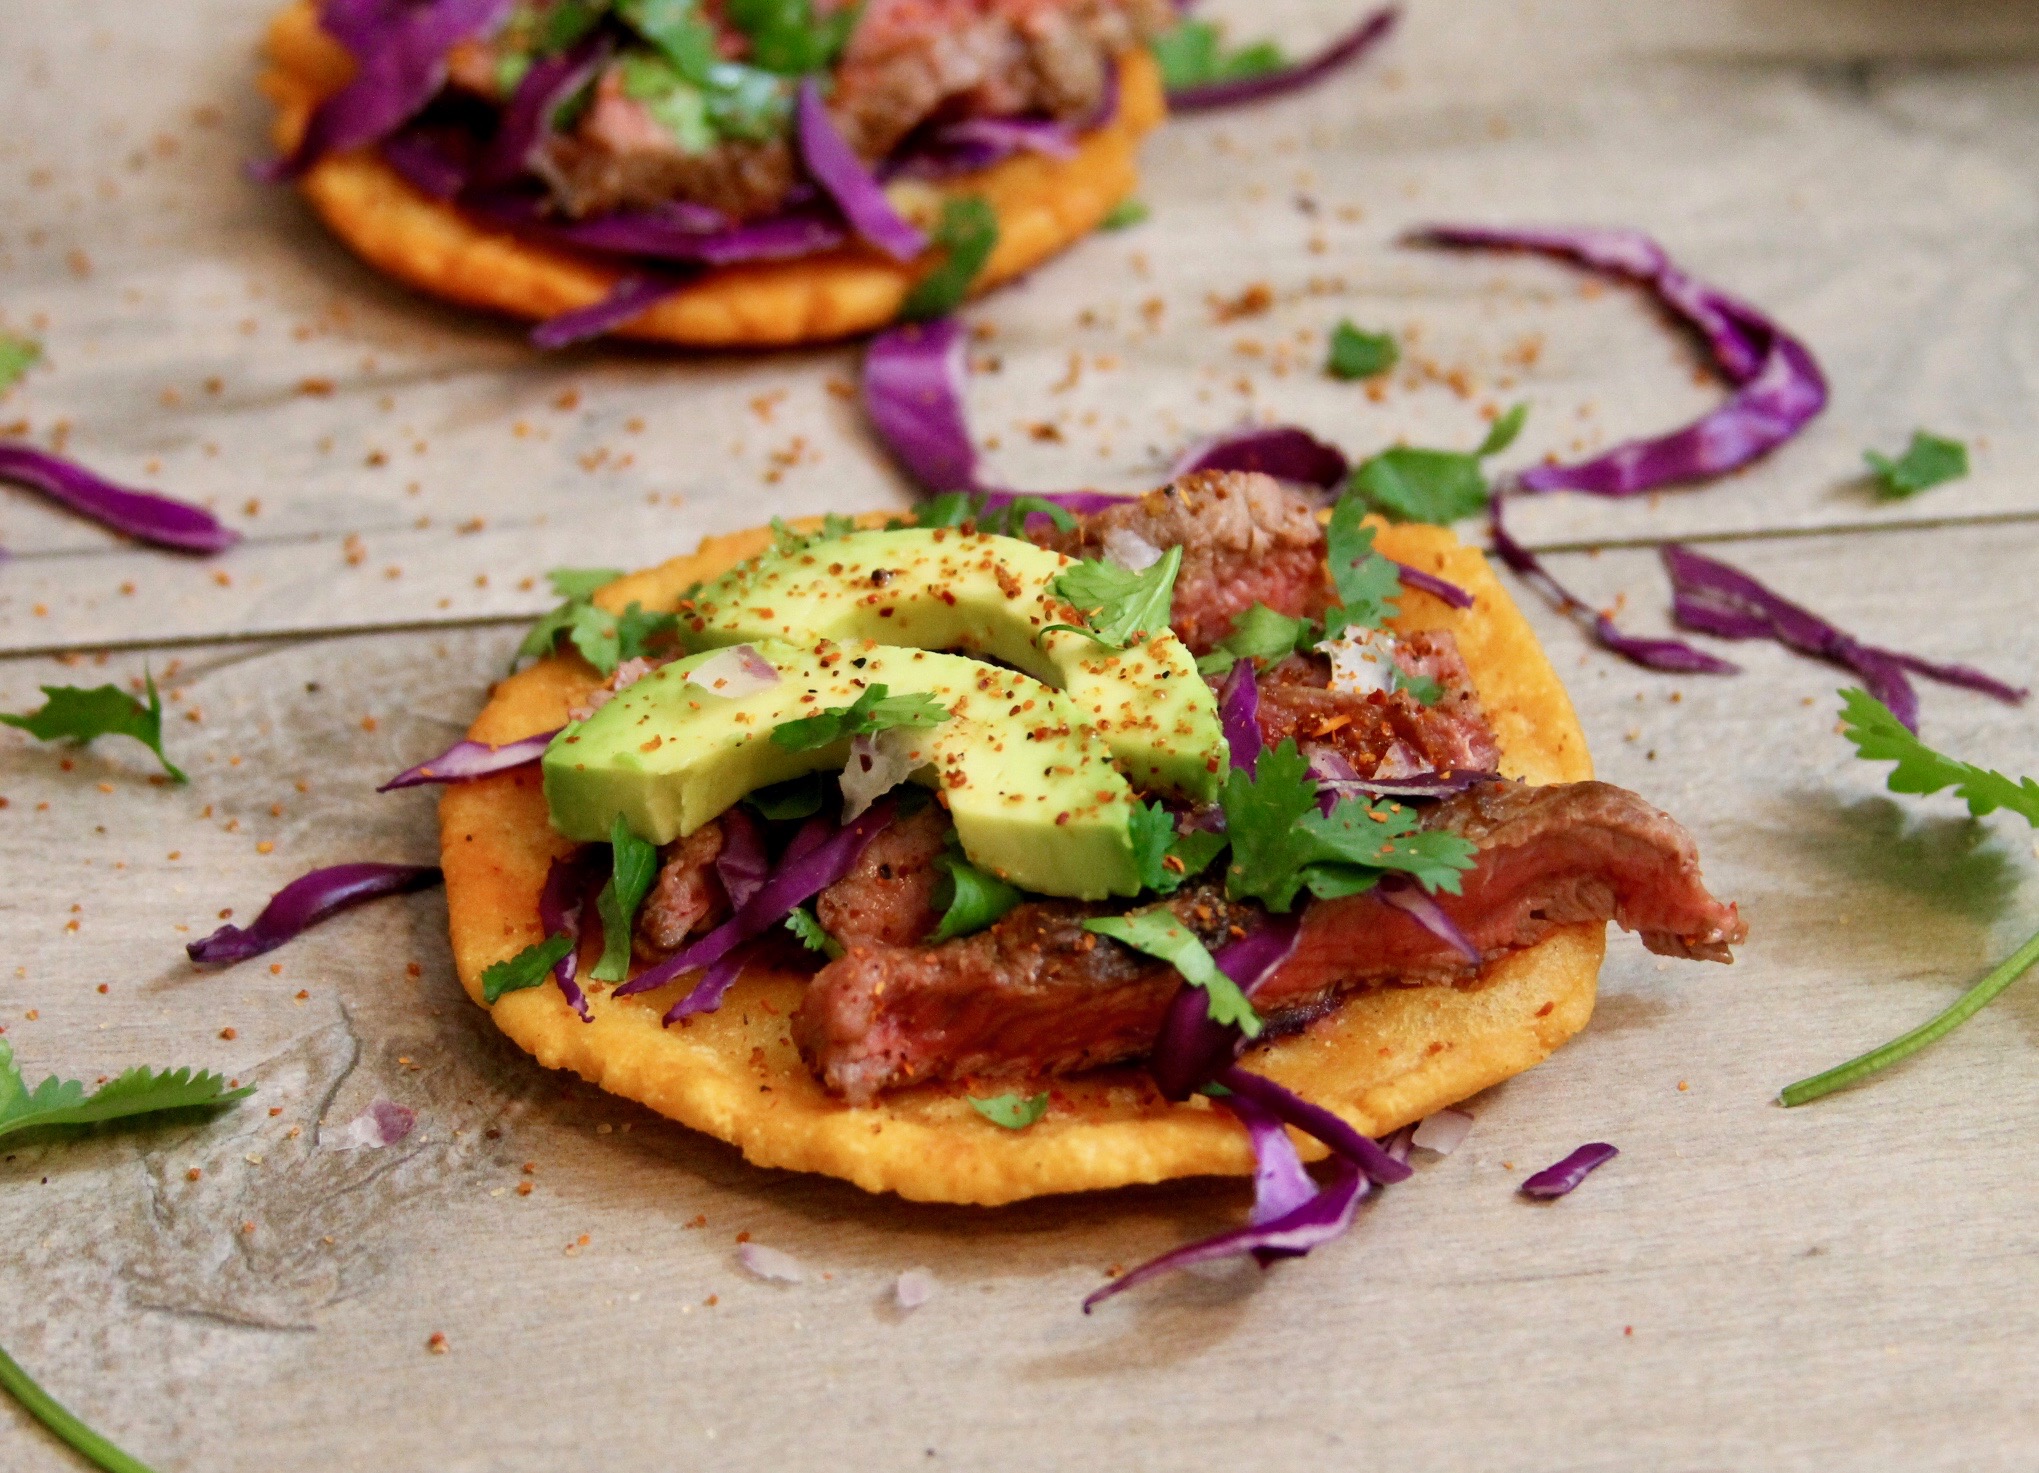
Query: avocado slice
{"x": 1031, "y": 787}
{"x": 940, "y": 588}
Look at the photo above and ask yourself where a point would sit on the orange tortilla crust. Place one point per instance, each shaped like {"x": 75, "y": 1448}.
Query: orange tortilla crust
{"x": 1384, "y": 1059}
{"x": 1043, "y": 206}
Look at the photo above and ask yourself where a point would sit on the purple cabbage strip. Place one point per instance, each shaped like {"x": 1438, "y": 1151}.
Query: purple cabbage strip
{"x": 560, "y": 906}
{"x": 1337, "y": 778}
{"x": 142, "y": 515}
{"x": 400, "y": 65}
{"x": 913, "y": 396}
{"x": 426, "y": 164}
{"x": 1008, "y": 136}
{"x": 1239, "y": 715}
{"x": 742, "y": 864}
{"x": 834, "y": 165}
{"x": 1431, "y": 584}
{"x": 465, "y": 760}
{"x": 1778, "y": 385}
{"x": 628, "y": 300}
{"x": 1191, "y": 1048}
{"x": 1408, "y": 897}
{"x": 1714, "y": 598}
{"x": 1335, "y": 57}
{"x": 1672, "y": 655}
{"x": 1317, "y": 1121}
{"x": 526, "y": 121}
{"x": 819, "y": 856}
{"x": 305, "y": 902}
{"x": 1555, "y": 1181}
{"x": 716, "y": 980}
{"x": 1282, "y": 451}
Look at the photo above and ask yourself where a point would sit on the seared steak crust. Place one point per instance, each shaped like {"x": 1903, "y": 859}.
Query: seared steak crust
{"x": 1384, "y": 734}
{"x": 688, "y": 895}
{"x": 887, "y": 898}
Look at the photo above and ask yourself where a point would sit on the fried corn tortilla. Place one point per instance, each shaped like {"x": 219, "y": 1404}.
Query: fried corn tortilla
{"x": 1043, "y": 205}
{"x": 1385, "y": 1058}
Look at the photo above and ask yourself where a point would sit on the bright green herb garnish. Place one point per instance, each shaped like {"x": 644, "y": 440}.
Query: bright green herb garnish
{"x": 1357, "y": 354}
{"x": 604, "y": 640}
{"x": 79, "y": 714}
{"x": 1192, "y": 54}
{"x": 1158, "y": 933}
{"x": 17, "y": 356}
{"x": 803, "y": 923}
{"x": 1125, "y": 215}
{"x": 1879, "y": 736}
{"x": 969, "y": 898}
{"x": 46, "y": 1409}
{"x": 634, "y": 865}
{"x": 787, "y": 37}
{"x": 137, "y": 1092}
{"x": 1169, "y": 860}
{"x": 1007, "y": 519}
{"x": 527, "y": 968}
{"x": 1014, "y": 1112}
{"x": 966, "y": 235}
{"x": 874, "y": 710}
{"x": 1117, "y": 603}
{"x": 1928, "y": 461}
{"x": 1406, "y": 484}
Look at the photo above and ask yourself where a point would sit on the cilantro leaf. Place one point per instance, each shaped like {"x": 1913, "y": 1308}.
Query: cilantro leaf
{"x": 875, "y": 710}
{"x": 1407, "y": 484}
{"x": 104, "y": 710}
{"x": 1158, "y": 933}
{"x": 604, "y": 640}
{"x": 966, "y": 235}
{"x": 527, "y": 968}
{"x": 1928, "y": 461}
{"x": 1166, "y": 859}
{"x": 1879, "y": 736}
{"x": 566, "y": 23}
{"x": 970, "y": 898}
{"x": 17, "y": 356}
{"x": 1426, "y": 691}
{"x": 675, "y": 28}
{"x": 803, "y": 923}
{"x": 786, "y": 36}
{"x": 1009, "y": 519}
{"x": 674, "y": 103}
{"x": 634, "y": 865}
{"x": 637, "y": 631}
{"x": 1367, "y": 583}
{"x": 1282, "y": 843}
{"x": 1118, "y": 604}
{"x": 1125, "y": 215}
{"x": 137, "y": 1092}
{"x": 1191, "y": 55}
{"x": 786, "y": 541}
{"x": 581, "y": 583}
{"x": 1357, "y": 354}
{"x": 800, "y": 797}
{"x": 1014, "y": 1112}
{"x": 1258, "y": 634}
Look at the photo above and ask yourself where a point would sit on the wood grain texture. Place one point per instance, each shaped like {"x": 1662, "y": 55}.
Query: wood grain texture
{"x": 1841, "y": 1286}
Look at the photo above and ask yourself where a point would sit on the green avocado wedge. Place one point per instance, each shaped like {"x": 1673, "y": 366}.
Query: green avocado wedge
{"x": 1032, "y": 788}
{"x": 943, "y": 588}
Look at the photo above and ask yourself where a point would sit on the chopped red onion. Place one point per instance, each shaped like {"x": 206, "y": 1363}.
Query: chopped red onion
{"x": 1555, "y": 1181}
{"x": 305, "y": 902}
{"x": 1239, "y": 715}
{"x": 1191, "y": 1048}
{"x": 629, "y": 299}
{"x": 464, "y": 761}
{"x": 142, "y": 515}
{"x": 1335, "y": 57}
{"x": 1672, "y": 655}
{"x": 770, "y": 1264}
{"x": 1337, "y": 778}
{"x": 741, "y": 864}
{"x": 400, "y": 65}
{"x": 1282, "y": 451}
{"x": 1408, "y": 897}
{"x": 383, "y": 1123}
{"x": 734, "y": 672}
{"x": 913, "y": 1288}
{"x": 880, "y": 763}
{"x": 1778, "y": 385}
{"x": 1130, "y": 550}
{"x": 820, "y": 854}
{"x": 834, "y": 165}
{"x": 1443, "y": 1132}
{"x": 561, "y": 904}
{"x": 1714, "y": 598}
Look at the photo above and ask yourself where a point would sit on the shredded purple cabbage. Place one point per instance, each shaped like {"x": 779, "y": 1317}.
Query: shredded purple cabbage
{"x": 1713, "y": 598}
{"x": 821, "y": 853}
{"x": 1191, "y": 1047}
{"x": 1239, "y": 715}
{"x": 1317, "y": 1121}
{"x": 400, "y": 65}
{"x": 1337, "y": 778}
{"x": 1778, "y": 385}
{"x": 628, "y": 300}
{"x": 465, "y": 760}
{"x": 560, "y": 907}
{"x": 142, "y": 515}
{"x": 521, "y": 130}
{"x": 1335, "y": 57}
{"x": 1673, "y": 655}
{"x": 1408, "y": 897}
{"x": 1555, "y": 1181}
{"x": 834, "y": 165}
{"x": 1283, "y": 451}
{"x": 305, "y": 902}
{"x": 1431, "y": 584}
{"x": 741, "y": 864}
{"x": 913, "y": 395}
{"x": 427, "y": 165}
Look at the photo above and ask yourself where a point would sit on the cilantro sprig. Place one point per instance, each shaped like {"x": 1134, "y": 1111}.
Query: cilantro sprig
{"x": 1014, "y": 1111}
{"x": 1282, "y": 843}
{"x": 786, "y": 541}
{"x": 1005, "y": 518}
{"x": 79, "y": 714}
{"x": 605, "y": 640}
{"x": 1408, "y": 484}
{"x": 1358, "y": 354}
{"x": 804, "y": 924}
{"x": 17, "y": 356}
{"x": 969, "y": 898}
{"x": 1929, "y": 460}
{"x": 1168, "y": 860}
{"x": 527, "y": 968}
{"x": 875, "y": 709}
{"x": 1118, "y": 605}
{"x": 633, "y": 866}
{"x": 787, "y": 37}
{"x": 966, "y": 236}
{"x": 1158, "y": 933}
{"x": 1193, "y": 54}
{"x": 1878, "y": 736}
{"x": 64, "y": 1423}
{"x": 139, "y": 1091}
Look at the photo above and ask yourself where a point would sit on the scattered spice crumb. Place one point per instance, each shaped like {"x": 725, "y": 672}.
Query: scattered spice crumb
{"x": 437, "y": 1343}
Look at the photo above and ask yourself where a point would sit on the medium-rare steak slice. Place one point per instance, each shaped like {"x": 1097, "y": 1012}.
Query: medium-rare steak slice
{"x": 1038, "y": 994}
{"x": 1385, "y": 734}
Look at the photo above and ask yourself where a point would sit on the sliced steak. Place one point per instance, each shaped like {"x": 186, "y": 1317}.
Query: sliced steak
{"x": 1245, "y": 539}
{"x": 688, "y": 895}
{"x": 887, "y": 898}
{"x": 1037, "y": 994}
{"x": 1384, "y": 734}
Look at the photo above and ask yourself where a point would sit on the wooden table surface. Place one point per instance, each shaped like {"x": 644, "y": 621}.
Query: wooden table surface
{"x": 1848, "y": 1285}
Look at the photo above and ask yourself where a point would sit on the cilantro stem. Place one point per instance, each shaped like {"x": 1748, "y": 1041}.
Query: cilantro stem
{"x": 45, "y": 1409}
{"x": 1967, "y": 1006}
